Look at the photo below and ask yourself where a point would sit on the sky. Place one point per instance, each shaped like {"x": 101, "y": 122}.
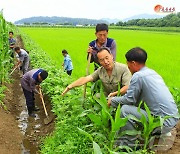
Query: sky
{"x": 14, "y": 10}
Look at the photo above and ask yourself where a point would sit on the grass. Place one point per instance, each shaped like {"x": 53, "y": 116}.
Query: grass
{"x": 162, "y": 48}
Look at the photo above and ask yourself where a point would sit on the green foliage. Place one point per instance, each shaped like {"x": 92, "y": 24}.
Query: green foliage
{"x": 4, "y": 50}
{"x": 5, "y": 64}
{"x": 171, "y": 20}
{"x": 2, "y": 95}
{"x": 176, "y": 94}
{"x": 149, "y": 124}
{"x": 116, "y": 123}
{"x": 97, "y": 149}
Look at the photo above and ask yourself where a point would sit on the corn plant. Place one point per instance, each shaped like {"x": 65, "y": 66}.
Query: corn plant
{"x": 149, "y": 124}
{"x": 4, "y": 49}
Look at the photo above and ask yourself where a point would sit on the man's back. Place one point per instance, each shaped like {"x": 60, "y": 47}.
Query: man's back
{"x": 27, "y": 79}
{"x": 154, "y": 92}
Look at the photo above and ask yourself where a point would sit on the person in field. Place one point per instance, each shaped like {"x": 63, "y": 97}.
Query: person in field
{"x": 147, "y": 86}
{"x": 68, "y": 66}
{"x": 102, "y": 40}
{"x": 11, "y": 40}
{"x": 12, "y": 43}
{"x": 23, "y": 59}
{"x": 29, "y": 82}
{"x": 110, "y": 73}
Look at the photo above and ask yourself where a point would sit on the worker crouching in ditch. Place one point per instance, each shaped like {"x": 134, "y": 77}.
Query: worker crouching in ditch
{"x": 148, "y": 86}
{"x": 29, "y": 82}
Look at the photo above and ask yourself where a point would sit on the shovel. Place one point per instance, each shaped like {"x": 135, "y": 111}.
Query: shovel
{"x": 48, "y": 119}
{"x": 13, "y": 70}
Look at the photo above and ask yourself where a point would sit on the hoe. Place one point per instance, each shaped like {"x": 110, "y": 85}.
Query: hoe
{"x": 48, "y": 119}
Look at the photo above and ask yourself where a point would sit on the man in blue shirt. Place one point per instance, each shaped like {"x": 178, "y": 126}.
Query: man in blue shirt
{"x": 12, "y": 43}
{"x": 101, "y": 41}
{"x": 68, "y": 67}
{"x": 148, "y": 86}
{"x": 11, "y": 40}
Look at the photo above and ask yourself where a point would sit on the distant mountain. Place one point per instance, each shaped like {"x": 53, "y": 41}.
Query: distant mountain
{"x": 59, "y": 20}
{"x": 144, "y": 16}
{"x": 111, "y": 20}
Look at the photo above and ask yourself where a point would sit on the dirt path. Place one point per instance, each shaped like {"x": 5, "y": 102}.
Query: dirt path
{"x": 10, "y": 135}
{"x": 19, "y": 133}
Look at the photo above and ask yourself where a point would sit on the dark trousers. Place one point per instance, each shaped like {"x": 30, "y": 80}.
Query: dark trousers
{"x": 29, "y": 100}
{"x": 69, "y": 72}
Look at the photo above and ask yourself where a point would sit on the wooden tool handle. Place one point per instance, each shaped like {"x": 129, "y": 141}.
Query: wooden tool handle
{"x": 41, "y": 96}
{"x": 13, "y": 71}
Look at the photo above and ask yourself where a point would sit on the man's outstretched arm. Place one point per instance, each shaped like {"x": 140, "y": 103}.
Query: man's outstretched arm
{"x": 81, "y": 81}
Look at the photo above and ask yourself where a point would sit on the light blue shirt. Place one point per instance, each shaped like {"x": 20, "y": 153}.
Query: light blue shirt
{"x": 148, "y": 86}
{"x": 68, "y": 63}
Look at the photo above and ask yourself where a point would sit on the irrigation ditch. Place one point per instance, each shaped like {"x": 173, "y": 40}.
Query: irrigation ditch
{"x": 20, "y": 133}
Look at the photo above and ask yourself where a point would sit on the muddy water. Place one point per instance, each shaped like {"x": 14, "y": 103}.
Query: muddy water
{"x": 28, "y": 147}
{"x": 33, "y": 129}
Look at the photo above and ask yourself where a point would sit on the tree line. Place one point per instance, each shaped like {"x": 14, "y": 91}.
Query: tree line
{"x": 171, "y": 20}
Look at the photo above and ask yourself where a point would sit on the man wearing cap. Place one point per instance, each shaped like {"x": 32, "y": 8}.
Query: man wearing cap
{"x": 101, "y": 41}
{"x": 110, "y": 73}
{"x": 29, "y": 81}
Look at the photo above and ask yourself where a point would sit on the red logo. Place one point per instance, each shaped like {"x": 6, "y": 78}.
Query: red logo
{"x": 157, "y": 8}
{"x": 161, "y": 9}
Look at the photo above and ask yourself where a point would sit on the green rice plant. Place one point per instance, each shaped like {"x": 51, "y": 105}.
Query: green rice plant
{"x": 157, "y": 44}
{"x": 176, "y": 94}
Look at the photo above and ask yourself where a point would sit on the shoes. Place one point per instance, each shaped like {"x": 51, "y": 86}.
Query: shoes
{"x": 36, "y": 108}
{"x": 165, "y": 141}
{"x": 32, "y": 115}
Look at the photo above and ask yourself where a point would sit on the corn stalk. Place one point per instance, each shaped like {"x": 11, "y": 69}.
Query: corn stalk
{"x": 4, "y": 49}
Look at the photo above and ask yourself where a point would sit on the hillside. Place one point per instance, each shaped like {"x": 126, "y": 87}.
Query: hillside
{"x": 59, "y": 20}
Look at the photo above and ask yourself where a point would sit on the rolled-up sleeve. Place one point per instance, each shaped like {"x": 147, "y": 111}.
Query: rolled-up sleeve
{"x": 95, "y": 75}
{"x": 132, "y": 95}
